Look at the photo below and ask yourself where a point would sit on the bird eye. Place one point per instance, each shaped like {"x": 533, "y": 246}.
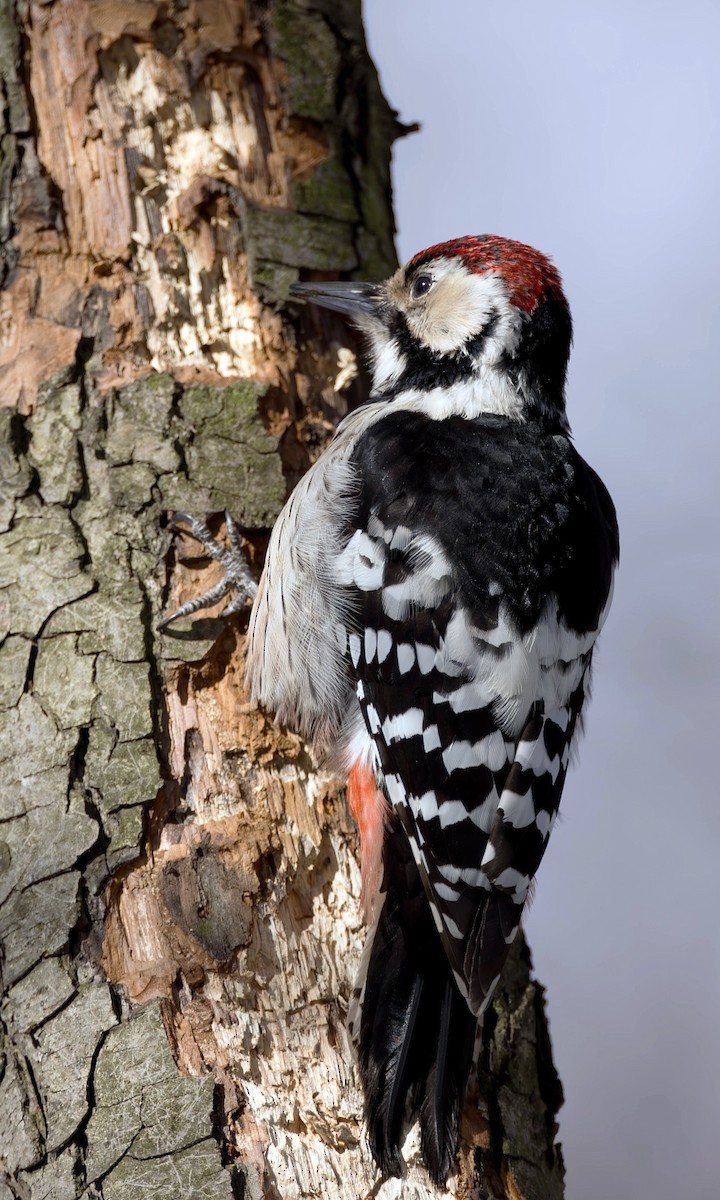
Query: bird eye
{"x": 421, "y": 286}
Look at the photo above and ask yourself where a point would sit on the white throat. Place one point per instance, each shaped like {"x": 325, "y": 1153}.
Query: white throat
{"x": 489, "y": 391}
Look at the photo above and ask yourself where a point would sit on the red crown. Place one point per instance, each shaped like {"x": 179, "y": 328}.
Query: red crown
{"x": 529, "y": 275}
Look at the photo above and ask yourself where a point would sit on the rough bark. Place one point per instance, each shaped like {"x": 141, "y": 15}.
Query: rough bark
{"x": 178, "y": 882}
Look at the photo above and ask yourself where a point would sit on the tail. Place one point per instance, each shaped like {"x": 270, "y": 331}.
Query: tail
{"x": 414, "y": 1031}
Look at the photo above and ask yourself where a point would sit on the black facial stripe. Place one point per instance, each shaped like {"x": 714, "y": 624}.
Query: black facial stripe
{"x": 426, "y": 368}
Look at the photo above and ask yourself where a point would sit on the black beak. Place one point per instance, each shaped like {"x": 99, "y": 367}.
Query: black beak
{"x": 356, "y": 300}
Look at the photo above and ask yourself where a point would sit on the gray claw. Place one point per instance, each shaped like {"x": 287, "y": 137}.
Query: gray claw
{"x": 237, "y": 576}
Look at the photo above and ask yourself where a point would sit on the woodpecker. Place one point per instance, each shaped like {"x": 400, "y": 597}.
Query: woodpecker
{"x": 426, "y": 617}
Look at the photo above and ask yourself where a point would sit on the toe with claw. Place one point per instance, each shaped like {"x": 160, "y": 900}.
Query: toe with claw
{"x": 236, "y": 577}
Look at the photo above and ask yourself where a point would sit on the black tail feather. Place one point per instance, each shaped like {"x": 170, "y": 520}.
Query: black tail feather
{"x": 394, "y": 1110}
{"x": 416, "y": 1032}
{"x": 444, "y": 1087}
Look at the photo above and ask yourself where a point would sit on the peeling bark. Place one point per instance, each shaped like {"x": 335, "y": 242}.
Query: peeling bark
{"x": 179, "y": 889}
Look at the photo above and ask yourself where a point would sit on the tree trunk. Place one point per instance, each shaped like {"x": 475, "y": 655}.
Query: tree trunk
{"x": 179, "y": 883}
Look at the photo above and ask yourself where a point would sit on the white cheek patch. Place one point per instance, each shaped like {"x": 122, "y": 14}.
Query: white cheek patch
{"x": 459, "y": 307}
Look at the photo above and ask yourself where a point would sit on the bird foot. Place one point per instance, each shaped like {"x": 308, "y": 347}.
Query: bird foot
{"x": 236, "y": 577}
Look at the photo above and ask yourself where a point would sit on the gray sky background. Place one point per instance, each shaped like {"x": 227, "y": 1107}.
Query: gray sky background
{"x": 591, "y": 132}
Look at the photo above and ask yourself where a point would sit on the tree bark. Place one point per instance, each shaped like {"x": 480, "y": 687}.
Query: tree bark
{"x": 178, "y": 881}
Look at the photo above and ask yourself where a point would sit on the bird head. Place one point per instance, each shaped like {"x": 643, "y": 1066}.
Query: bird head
{"x": 477, "y": 324}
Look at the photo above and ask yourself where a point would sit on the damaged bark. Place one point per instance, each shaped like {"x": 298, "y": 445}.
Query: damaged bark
{"x": 179, "y": 888}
